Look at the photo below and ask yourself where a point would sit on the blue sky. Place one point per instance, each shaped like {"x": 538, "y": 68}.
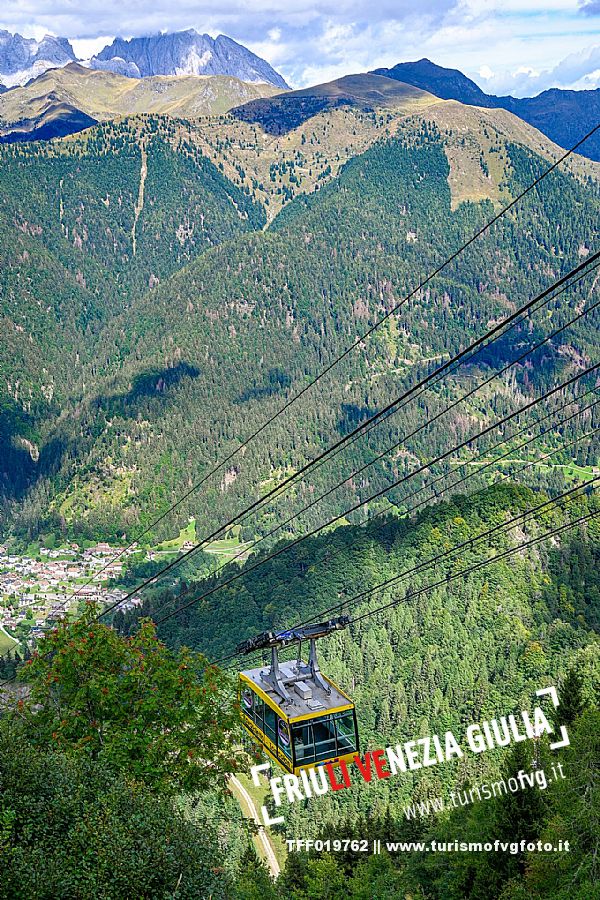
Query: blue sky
{"x": 507, "y": 46}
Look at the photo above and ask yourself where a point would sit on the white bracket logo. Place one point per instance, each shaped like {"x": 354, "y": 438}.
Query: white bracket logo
{"x": 255, "y": 771}
{"x": 552, "y": 693}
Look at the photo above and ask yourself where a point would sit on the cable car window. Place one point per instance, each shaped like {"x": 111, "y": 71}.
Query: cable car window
{"x": 270, "y": 722}
{"x": 248, "y": 702}
{"x": 304, "y": 751}
{"x": 283, "y": 737}
{"x": 258, "y": 711}
{"x": 324, "y": 734}
{"x": 346, "y": 739}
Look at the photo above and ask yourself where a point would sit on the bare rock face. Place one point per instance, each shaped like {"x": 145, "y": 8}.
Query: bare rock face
{"x": 24, "y": 58}
{"x": 185, "y": 53}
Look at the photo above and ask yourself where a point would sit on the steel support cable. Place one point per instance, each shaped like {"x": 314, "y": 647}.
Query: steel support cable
{"x": 340, "y": 604}
{"x": 247, "y": 569}
{"x": 493, "y": 462}
{"x": 571, "y": 494}
{"x": 429, "y": 485}
{"x": 392, "y": 412}
{"x": 219, "y": 465}
{"x": 494, "y": 559}
{"x": 444, "y": 581}
{"x": 268, "y": 496}
{"x": 451, "y": 577}
{"x": 424, "y": 425}
{"x": 405, "y": 478}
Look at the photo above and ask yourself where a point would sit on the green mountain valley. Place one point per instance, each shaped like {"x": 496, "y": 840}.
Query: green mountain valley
{"x": 205, "y": 253}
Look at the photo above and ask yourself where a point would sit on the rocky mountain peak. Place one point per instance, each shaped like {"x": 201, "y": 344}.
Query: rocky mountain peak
{"x": 24, "y": 58}
{"x": 185, "y": 53}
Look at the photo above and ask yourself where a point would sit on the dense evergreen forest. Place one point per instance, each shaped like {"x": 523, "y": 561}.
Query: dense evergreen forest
{"x": 170, "y": 324}
{"x": 466, "y": 649}
{"x": 100, "y": 809}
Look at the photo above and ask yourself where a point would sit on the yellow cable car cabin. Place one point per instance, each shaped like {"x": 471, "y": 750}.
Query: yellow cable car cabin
{"x": 297, "y": 715}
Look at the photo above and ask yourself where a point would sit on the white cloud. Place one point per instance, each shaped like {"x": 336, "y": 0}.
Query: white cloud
{"x": 526, "y": 70}
{"x": 85, "y": 48}
{"x": 590, "y": 7}
{"x": 256, "y": 17}
{"x": 589, "y": 81}
{"x": 296, "y": 36}
{"x": 576, "y": 71}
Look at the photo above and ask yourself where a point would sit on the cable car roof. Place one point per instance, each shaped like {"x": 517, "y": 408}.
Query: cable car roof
{"x": 307, "y": 697}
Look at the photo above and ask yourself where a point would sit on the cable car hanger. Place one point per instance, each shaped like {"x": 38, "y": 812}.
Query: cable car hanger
{"x": 277, "y": 640}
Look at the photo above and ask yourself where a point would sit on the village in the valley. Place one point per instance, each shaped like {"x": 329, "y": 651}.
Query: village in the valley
{"x": 44, "y": 584}
{"x": 44, "y": 588}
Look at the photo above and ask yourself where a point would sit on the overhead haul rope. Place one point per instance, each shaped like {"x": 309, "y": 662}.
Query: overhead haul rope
{"x": 340, "y": 604}
{"x": 494, "y": 559}
{"x": 404, "y": 478}
{"x": 219, "y": 465}
{"x": 578, "y": 270}
{"x": 247, "y": 569}
{"x": 242, "y": 553}
{"x": 396, "y": 579}
{"x": 472, "y": 474}
{"x": 469, "y": 360}
{"x": 416, "y": 506}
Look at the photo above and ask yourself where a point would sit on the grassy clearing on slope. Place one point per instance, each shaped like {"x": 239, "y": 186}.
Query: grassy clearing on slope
{"x": 6, "y": 641}
{"x": 260, "y": 796}
{"x": 187, "y": 534}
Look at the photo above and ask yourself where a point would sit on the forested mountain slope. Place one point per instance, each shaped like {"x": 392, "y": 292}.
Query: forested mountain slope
{"x": 84, "y": 228}
{"x": 469, "y": 650}
{"x": 195, "y": 322}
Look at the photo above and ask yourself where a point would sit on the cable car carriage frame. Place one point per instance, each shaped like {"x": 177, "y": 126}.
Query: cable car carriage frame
{"x": 298, "y": 716}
